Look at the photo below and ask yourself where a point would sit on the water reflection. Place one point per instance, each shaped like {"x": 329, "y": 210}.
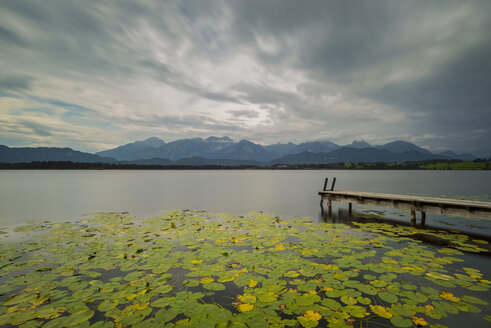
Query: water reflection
{"x": 343, "y": 215}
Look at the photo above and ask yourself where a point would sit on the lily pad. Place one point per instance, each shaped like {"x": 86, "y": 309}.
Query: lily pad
{"x": 387, "y": 297}
{"x": 78, "y": 317}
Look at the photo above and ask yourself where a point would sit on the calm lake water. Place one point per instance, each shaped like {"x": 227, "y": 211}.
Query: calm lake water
{"x": 69, "y": 195}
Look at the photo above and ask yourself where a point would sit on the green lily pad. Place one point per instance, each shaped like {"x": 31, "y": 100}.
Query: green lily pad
{"x": 348, "y": 300}
{"x": 307, "y": 299}
{"x": 78, "y": 317}
{"x": 474, "y": 300}
{"x": 378, "y": 283}
{"x": 214, "y": 286}
{"x": 330, "y": 303}
{"x": 267, "y": 297}
{"x": 401, "y": 322}
{"x": 387, "y": 297}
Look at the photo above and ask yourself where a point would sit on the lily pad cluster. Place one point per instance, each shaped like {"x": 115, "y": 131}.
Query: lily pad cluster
{"x": 196, "y": 269}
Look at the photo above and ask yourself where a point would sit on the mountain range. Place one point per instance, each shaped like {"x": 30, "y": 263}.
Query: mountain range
{"x": 225, "y": 151}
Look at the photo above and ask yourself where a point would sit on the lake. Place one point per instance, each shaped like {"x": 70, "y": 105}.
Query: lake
{"x": 197, "y": 268}
{"x": 68, "y": 195}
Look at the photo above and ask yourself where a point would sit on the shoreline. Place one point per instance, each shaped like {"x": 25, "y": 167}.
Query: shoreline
{"x": 483, "y": 165}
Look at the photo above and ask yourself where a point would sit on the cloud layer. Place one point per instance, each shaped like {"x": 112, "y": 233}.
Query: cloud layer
{"x": 92, "y": 75}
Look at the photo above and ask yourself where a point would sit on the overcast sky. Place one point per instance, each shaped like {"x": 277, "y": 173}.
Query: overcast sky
{"x": 96, "y": 74}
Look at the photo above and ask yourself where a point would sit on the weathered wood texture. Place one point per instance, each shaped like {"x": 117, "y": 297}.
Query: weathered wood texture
{"x": 452, "y": 207}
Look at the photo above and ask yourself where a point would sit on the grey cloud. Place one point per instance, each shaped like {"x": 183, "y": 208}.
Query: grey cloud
{"x": 38, "y": 129}
{"x": 14, "y": 82}
{"x": 247, "y": 113}
{"x": 69, "y": 35}
{"x": 353, "y": 46}
{"x": 179, "y": 123}
{"x": 333, "y": 39}
{"x": 459, "y": 85}
{"x": 439, "y": 52}
{"x": 279, "y": 103}
{"x": 261, "y": 94}
{"x": 183, "y": 82}
{"x": 453, "y": 100}
{"x": 8, "y": 36}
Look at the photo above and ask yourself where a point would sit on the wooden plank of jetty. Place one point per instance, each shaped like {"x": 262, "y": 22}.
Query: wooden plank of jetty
{"x": 446, "y": 206}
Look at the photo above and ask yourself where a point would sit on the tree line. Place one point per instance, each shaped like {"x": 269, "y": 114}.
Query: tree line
{"x": 68, "y": 165}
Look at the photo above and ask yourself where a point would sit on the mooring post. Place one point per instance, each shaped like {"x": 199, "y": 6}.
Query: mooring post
{"x": 413, "y": 217}
{"x": 324, "y": 189}
{"x": 423, "y": 218}
{"x": 333, "y": 183}
{"x": 350, "y": 208}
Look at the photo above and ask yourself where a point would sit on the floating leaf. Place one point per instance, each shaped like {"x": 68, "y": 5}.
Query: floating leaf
{"x": 207, "y": 280}
{"x": 329, "y": 303}
{"x": 267, "y": 297}
{"x": 279, "y": 247}
{"x": 420, "y": 322}
{"x": 245, "y": 307}
{"x": 107, "y": 305}
{"x": 378, "y": 283}
{"x": 474, "y": 300}
{"x": 78, "y": 317}
{"x": 440, "y": 276}
{"x": 349, "y": 300}
{"x": 381, "y": 311}
{"x": 309, "y": 319}
{"x": 387, "y": 297}
{"x": 247, "y": 298}
{"x": 401, "y": 322}
{"x": 291, "y": 274}
{"x": 252, "y": 283}
{"x": 214, "y": 286}
{"x": 363, "y": 300}
{"x": 449, "y": 296}
{"x": 307, "y": 299}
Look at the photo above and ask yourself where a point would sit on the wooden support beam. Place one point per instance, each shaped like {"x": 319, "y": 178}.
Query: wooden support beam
{"x": 325, "y": 184}
{"x": 423, "y": 219}
{"x": 333, "y": 183}
{"x": 413, "y": 217}
{"x": 350, "y": 208}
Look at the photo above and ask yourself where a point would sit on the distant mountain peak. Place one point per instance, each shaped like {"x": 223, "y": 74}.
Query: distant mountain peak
{"x": 401, "y": 146}
{"x": 359, "y": 144}
{"x": 153, "y": 142}
{"x": 218, "y": 139}
{"x": 154, "y": 139}
{"x": 316, "y": 147}
{"x": 135, "y": 150}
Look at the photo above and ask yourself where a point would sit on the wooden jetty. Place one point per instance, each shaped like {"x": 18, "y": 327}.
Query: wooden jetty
{"x": 452, "y": 207}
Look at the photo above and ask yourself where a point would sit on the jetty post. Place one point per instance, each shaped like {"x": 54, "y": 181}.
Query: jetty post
{"x": 329, "y": 201}
{"x": 413, "y": 217}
